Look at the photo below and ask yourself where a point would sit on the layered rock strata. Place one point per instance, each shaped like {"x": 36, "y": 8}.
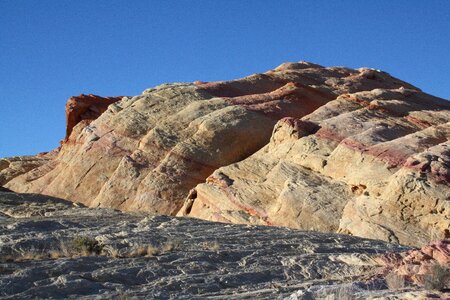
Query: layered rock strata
{"x": 373, "y": 164}
{"x": 418, "y": 265}
{"x": 304, "y": 146}
{"x": 12, "y": 167}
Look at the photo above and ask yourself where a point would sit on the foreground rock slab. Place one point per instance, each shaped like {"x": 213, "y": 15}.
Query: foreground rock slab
{"x": 162, "y": 257}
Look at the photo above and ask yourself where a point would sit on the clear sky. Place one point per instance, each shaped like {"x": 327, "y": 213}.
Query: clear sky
{"x": 50, "y": 50}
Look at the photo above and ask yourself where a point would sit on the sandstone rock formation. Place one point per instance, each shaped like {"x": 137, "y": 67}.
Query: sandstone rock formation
{"x": 372, "y": 164}
{"x": 304, "y": 146}
{"x": 85, "y": 108}
{"x": 191, "y": 259}
{"x": 12, "y": 167}
{"x": 415, "y": 265}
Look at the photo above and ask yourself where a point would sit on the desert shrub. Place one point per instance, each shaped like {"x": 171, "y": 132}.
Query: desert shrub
{"x": 171, "y": 246}
{"x": 86, "y": 245}
{"x": 210, "y": 245}
{"x": 144, "y": 250}
{"x": 151, "y": 250}
{"x": 438, "y": 279}
{"x": 394, "y": 281}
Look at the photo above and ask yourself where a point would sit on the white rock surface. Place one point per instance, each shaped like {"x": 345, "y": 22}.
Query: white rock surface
{"x": 207, "y": 260}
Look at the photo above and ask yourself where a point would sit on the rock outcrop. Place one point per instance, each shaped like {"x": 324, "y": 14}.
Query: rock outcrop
{"x": 416, "y": 265}
{"x": 12, "y": 167}
{"x": 85, "y": 109}
{"x": 162, "y": 257}
{"x": 372, "y": 164}
{"x": 304, "y": 146}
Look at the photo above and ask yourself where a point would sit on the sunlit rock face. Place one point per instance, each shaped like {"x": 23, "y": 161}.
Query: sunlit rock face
{"x": 85, "y": 108}
{"x": 303, "y": 146}
{"x": 372, "y": 164}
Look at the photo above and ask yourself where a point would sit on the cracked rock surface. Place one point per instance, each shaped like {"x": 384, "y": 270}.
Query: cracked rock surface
{"x": 196, "y": 259}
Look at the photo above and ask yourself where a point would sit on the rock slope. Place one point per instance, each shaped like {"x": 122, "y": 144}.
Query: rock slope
{"x": 304, "y": 146}
{"x": 194, "y": 259}
{"x": 373, "y": 164}
{"x": 12, "y": 167}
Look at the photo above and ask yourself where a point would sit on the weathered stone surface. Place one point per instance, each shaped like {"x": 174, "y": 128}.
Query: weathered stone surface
{"x": 374, "y": 164}
{"x": 206, "y": 260}
{"x": 415, "y": 265}
{"x": 11, "y": 167}
{"x": 304, "y": 146}
{"x": 85, "y": 108}
{"x": 146, "y": 152}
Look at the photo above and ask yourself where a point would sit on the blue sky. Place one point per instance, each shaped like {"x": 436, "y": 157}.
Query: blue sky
{"x": 50, "y": 50}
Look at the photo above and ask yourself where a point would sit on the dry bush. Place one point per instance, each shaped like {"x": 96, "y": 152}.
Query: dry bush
{"x": 152, "y": 250}
{"x": 61, "y": 251}
{"x": 31, "y": 254}
{"x": 394, "y": 281}
{"x": 138, "y": 251}
{"x": 79, "y": 246}
{"x": 170, "y": 246}
{"x": 213, "y": 246}
{"x": 438, "y": 279}
{"x": 144, "y": 250}
{"x": 86, "y": 246}
{"x": 53, "y": 254}
{"x": 114, "y": 253}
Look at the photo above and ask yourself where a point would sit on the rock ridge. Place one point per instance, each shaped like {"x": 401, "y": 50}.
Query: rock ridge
{"x": 305, "y": 146}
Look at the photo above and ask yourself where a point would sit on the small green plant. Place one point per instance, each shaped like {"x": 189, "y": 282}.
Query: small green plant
{"x": 86, "y": 245}
{"x": 438, "y": 279}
